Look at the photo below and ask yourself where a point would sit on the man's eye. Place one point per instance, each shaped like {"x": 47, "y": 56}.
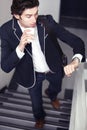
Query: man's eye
{"x": 28, "y": 16}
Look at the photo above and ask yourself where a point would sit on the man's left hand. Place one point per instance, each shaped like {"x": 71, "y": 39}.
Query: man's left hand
{"x": 70, "y": 68}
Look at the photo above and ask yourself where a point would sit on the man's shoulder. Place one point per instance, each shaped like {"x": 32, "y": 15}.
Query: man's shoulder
{"x": 45, "y": 19}
{"x": 6, "y": 27}
{"x": 8, "y": 23}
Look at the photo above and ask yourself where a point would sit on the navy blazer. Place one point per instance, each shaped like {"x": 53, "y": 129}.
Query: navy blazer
{"x": 24, "y": 70}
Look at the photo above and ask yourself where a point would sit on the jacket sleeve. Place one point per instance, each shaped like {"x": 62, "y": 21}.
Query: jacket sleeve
{"x": 75, "y": 42}
{"x": 9, "y": 58}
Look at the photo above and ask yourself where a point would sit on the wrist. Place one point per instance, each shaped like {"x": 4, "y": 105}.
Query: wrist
{"x": 76, "y": 59}
{"x": 76, "y": 62}
{"x": 20, "y": 54}
{"x": 21, "y": 48}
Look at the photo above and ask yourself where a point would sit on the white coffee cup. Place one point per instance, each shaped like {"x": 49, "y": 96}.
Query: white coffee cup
{"x": 31, "y": 31}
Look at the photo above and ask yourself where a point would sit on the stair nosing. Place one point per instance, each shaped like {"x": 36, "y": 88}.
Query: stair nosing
{"x": 27, "y": 95}
{"x": 30, "y": 108}
{"x": 30, "y": 115}
{"x": 27, "y": 103}
{"x": 27, "y": 122}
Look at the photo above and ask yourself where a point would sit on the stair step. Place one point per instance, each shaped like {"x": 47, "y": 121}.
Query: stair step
{"x": 28, "y": 107}
{"x": 49, "y": 112}
{"x": 27, "y": 114}
{"x": 4, "y": 97}
{"x": 3, "y": 127}
{"x": 27, "y": 96}
{"x": 51, "y": 120}
{"x": 11, "y": 126}
{"x": 30, "y": 115}
{"x": 30, "y": 123}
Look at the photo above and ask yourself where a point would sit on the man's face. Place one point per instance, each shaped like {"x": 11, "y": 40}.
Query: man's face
{"x": 28, "y": 17}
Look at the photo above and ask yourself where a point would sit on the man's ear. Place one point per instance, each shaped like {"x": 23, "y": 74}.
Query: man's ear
{"x": 16, "y": 16}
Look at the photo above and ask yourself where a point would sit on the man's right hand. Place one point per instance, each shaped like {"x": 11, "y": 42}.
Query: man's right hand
{"x": 25, "y": 39}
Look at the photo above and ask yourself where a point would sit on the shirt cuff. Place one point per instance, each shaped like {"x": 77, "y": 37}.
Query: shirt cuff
{"x": 79, "y": 56}
{"x": 20, "y": 54}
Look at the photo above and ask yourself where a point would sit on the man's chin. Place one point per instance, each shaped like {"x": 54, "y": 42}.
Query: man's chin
{"x": 33, "y": 25}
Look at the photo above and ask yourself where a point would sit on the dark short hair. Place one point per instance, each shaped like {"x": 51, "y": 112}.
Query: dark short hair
{"x": 18, "y": 6}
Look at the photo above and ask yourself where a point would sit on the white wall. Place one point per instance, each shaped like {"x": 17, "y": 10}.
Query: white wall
{"x": 50, "y": 7}
{"x": 4, "y": 11}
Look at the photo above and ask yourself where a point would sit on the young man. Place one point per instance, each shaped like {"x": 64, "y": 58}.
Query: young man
{"x": 29, "y": 44}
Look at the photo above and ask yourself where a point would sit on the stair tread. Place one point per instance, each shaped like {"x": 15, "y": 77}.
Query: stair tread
{"x": 28, "y": 107}
{"x": 49, "y": 112}
{"x": 26, "y": 96}
{"x": 21, "y": 127}
{"x": 6, "y": 127}
{"x": 28, "y": 102}
{"x": 46, "y": 99}
{"x": 31, "y": 123}
{"x": 27, "y": 116}
{"x": 15, "y": 127}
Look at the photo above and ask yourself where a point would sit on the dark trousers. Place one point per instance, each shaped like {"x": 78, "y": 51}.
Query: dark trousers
{"x": 55, "y": 80}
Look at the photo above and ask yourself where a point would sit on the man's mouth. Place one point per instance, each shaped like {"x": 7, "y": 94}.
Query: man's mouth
{"x": 33, "y": 25}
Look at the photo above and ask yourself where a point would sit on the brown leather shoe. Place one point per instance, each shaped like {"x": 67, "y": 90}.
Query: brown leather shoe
{"x": 39, "y": 124}
{"x": 55, "y": 103}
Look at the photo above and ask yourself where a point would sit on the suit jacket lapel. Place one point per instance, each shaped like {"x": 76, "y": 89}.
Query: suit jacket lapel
{"x": 41, "y": 35}
{"x": 16, "y": 28}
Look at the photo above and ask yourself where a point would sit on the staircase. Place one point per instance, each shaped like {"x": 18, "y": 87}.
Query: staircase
{"x": 16, "y": 112}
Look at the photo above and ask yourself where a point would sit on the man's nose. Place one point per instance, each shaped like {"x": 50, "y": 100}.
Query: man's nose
{"x": 34, "y": 19}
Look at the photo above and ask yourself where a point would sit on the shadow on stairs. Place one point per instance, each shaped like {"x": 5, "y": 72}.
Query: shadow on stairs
{"x": 16, "y": 112}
